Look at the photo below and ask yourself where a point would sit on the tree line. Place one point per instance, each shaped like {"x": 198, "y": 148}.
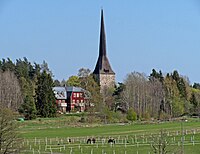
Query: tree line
{"x": 27, "y": 88}
{"x": 143, "y": 97}
{"x": 158, "y": 96}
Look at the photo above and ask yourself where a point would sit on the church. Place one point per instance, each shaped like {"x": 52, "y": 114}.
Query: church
{"x": 103, "y": 72}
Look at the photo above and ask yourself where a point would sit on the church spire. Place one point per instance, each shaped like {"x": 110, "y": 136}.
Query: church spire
{"x": 102, "y": 44}
{"x": 103, "y": 65}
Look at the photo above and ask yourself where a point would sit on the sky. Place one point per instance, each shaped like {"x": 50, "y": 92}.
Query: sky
{"x": 140, "y": 34}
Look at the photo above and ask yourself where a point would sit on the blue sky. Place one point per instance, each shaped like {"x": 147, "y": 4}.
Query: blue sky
{"x": 141, "y": 34}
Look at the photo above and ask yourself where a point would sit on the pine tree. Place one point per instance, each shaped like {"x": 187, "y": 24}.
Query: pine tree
{"x": 45, "y": 99}
{"x": 28, "y": 108}
{"x": 27, "y": 74}
{"x": 194, "y": 104}
{"x": 180, "y": 84}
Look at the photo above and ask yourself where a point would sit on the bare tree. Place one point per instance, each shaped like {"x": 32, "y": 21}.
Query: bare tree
{"x": 142, "y": 95}
{"x": 136, "y": 92}
{"x": 9, "y": 140}
{"x": 157, "y": 94}
{"x": 10, "y": 91}
{"x": 160, "y": 143}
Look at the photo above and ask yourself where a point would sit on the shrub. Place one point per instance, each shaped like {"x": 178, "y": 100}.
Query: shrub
{"x": 131, "y": 115}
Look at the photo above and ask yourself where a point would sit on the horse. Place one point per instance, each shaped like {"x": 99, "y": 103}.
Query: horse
{"x": 111, "y": 141}
{"x": 93, "y": 140}
{"x": 89, "y": 141}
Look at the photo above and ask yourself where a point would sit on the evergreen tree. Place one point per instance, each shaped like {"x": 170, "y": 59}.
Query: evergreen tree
{"x": 194, "y": 103}
{"x": 28, "y": 108}
{"x": 7, "y": 65}
{"x": 45, "y": 98}
{"x": 181, "y": 85}
{"x": 56, "y": 83}
{"x": 196, "y": 86}
{"x": 27, "y": 75}
{"x": 44, "y": 67}
{"x": 156, "y": 75}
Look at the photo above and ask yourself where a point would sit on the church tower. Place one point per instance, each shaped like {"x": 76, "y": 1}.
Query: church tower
{"x": 103, "y": 71}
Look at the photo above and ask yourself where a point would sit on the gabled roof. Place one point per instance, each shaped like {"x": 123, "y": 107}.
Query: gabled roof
{"x": 74, "y": 89}
{"x": 60, "y": 92}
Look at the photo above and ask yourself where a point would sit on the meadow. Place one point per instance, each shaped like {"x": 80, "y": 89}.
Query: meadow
{"x": 52, "y": 135}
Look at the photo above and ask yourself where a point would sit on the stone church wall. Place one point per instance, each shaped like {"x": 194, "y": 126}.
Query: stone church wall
{"x": 107, "y": 80}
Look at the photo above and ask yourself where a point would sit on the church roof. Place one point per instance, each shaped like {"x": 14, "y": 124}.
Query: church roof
{"x": 103, "y": 65}
{"x": 60, "y": 92}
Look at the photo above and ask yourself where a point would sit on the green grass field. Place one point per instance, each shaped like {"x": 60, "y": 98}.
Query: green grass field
{"x": 52, "y": 136}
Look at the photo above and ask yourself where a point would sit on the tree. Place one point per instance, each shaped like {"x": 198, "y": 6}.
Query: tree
{"x": 84, "y": 72}
{"x": 44, "y": 67}
{"x": 56, "y": 83}
{"x": 135, "y": 92}
{"x": 117, "y": 94}
{"x": 27, "y": 75}
{"x": 156, "y": 75}
{"x": 160, "y": 143}
{"x": 10, "y": 91}
{"x": 92, "y": 87}
{"x": 88, "y": 83}
{"x": 84, "y": 77}
{"x": 178, "y": 107}
{"x": 73, "y": 81}
{"x": 45, "y": 98}
{"x": 131, "y": 115}
{"x": 7, "y": 65}
{"x": 9, "y": 139}
{"x": 171, "y": 93}
{"x": 181, "y": 84}
{"x": 141, "y": 94}
{"x": 63, "y": 83}
{"x": 108, "y": 99}
{"x": 28, "y": 108}
{"x": 194, "y": 103}
{"x": 196, "y": 86}
{"x": 157, "y": 97}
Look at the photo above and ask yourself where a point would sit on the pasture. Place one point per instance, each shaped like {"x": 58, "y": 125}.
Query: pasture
{"x": 53, "y": 135}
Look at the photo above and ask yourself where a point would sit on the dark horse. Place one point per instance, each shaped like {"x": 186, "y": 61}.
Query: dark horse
{"x": 89, "y": 141}
{"x": 93, "y": 140}
{"x": 111, "y": 141}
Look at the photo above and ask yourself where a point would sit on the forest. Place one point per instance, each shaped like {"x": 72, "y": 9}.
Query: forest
{"x": 26, "y": 88}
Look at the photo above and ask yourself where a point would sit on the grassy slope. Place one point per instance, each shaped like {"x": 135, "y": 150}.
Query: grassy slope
{"x": 54, "y": 129}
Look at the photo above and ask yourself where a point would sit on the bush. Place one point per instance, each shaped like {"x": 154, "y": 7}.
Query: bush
{"x": 146, "y": 116}
{"x": 131, "y": 115}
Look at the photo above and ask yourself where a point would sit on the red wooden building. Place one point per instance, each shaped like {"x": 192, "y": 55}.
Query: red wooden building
{"x": 71, "y": 99}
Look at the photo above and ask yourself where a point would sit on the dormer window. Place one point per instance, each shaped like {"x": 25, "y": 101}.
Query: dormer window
{"x": 106, "y": 70}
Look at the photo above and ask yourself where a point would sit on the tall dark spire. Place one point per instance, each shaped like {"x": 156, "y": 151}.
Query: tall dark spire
{"x": 103, "y": 65}
{"x": 102, "y": 44}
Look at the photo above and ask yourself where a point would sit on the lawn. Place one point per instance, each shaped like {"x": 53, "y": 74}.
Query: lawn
{"x": 52, "y": 136}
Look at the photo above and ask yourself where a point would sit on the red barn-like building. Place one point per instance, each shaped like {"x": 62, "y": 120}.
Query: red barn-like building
{"x": 71, "y": 98}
